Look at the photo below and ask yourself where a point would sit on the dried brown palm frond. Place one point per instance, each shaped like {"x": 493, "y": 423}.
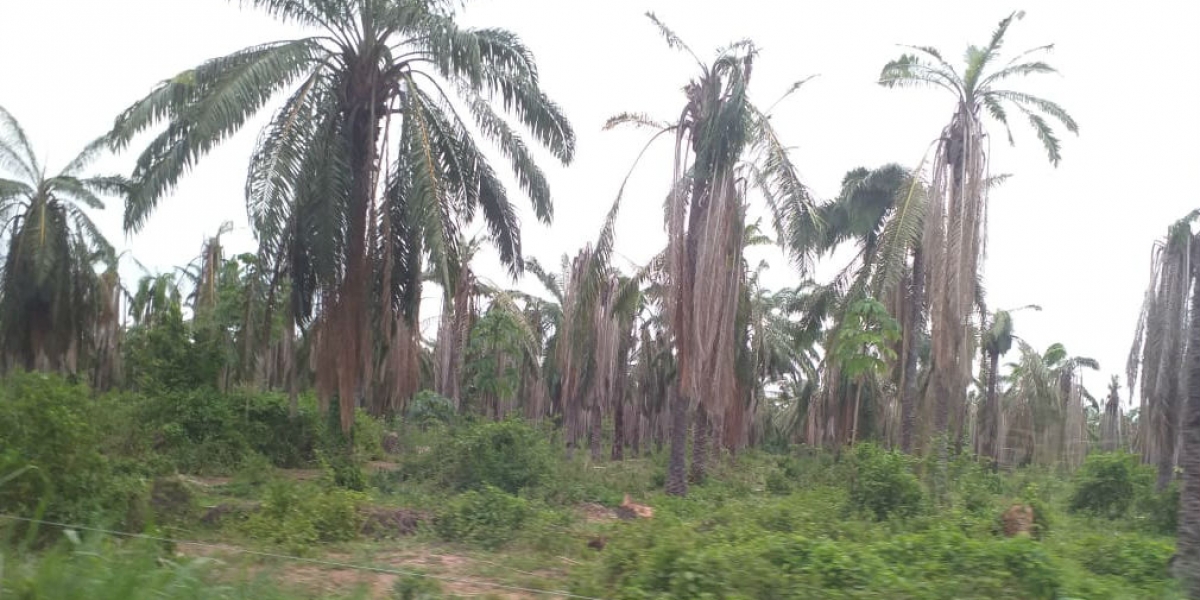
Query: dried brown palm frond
{"x": 1157, "y": 358}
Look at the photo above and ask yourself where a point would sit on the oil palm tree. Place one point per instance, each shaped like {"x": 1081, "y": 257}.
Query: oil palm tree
{"x": 1110, "y": 422}
{"x": 1188, "y": 545}
{"x": 996, "y": 340}
{"x": 723, "y": 142}
{"x": 879, "y": 211}
{"x": 370, "y": 164}
{"x": 1160, "y": 348}
{"x": 50, "y": 293}
{"x": 953, "y": 240}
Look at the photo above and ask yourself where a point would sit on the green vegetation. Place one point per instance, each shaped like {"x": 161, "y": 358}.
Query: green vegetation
{"x": 281, "y": 412}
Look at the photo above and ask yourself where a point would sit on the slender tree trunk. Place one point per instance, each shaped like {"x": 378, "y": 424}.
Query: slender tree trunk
{"x": 677, "y": 484}
{"x": 618, "y": 445}
{"x": 857, "y": 407}
{"x": 916, "y": 319}
{"x": 699, "y": 446}
{"x": 1188, "y": 546}
{"x": 595, "y": 430}
{"x": 989, "y": 434}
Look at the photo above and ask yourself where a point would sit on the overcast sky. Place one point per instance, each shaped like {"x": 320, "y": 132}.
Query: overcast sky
{"x": 1075, "y": 239}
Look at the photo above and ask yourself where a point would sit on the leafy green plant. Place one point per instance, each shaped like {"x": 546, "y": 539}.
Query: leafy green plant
{"x": 1108, "y": 484}
{"x": 883, "y": 483}
{"x": 296, "y": 516}
{"x": 48, "y": 428}
{"x": 427, "y": 408}
{"x": 488, "y": 517}
{"x": 509, "y": 455}
{"x": 1132, "y": 557}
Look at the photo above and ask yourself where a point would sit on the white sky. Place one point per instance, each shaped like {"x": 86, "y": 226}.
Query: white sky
{"x": 1074, "y": 239}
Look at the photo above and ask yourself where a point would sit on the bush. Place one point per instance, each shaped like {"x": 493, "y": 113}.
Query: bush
{"x": 415, "y": 587}
{"x": 509, "y": 455}
{"x": 1160, "y": 510}
{"x": 488, "y": 517}
{"x": 670, "y": 560}
{"x": 51, "y": 451}
{"x": 428, "y": 408}
{"x": 1132, "y": 557}
{"x": 297, "y": 517}
{"x": 883, "y": 483}
{"x": 1108, "y": 484}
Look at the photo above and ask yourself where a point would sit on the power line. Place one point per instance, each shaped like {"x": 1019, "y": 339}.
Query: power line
{"x": 312, "y": 561}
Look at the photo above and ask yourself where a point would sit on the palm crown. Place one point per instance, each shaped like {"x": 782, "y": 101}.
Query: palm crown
{"x": 371, "y": 164}
{"x": 48, "y": 288}
{"x": 978, "y": 86}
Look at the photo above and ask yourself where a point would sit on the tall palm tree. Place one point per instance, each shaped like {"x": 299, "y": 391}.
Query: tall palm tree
{"x": 368, "y": 167}
{"x": 1188, "y": 545}
{"x": 1160, "y": 348}
{"x": 723, "y": 142}
{"x": 50, "y": 293}
{"x": 1110, "y": 421}
{"x": 953, "y": 242}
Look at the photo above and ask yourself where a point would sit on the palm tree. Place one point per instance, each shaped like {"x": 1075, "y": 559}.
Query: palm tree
{"x": 1188, "y": 545}
{"x": 1110, "y": 421}
{"x": 50, "y": 293}
{"x": 1160, "y": 348}
{"x": 996, "y": 340}
{"x": 953, "y": 241}
{"x": 723, "y": 142}
{"x": 880, "y": 211}
{"x": 368, "y": 166}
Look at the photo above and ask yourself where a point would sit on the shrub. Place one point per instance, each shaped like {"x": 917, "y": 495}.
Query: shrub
{"x": 51, "y": 450}
{"x": 488, "y": 517}
{"x": 1108, "y": 483}
{"x": 509, "y": 455}
{"x": 415, "y": 587}
{"x": 297, "y": 517}
{"x": 883, "y": 483}
{"x": 427, "y": 408}
{"x": 1132, "y": 557}
{"x": 367, "y": 436}
{"x": 1160, "y": 510}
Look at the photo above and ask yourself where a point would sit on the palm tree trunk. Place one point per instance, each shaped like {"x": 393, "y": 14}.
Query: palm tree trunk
{"x": 677, "y": 484}
{"x": 618, "y": 447}
{"x": 595, "y": 429}
{"x": 857, "y": 408}
{"x": 989, "y": 434}
{"x": 699, "y": 446}
{"x": 1188, "y": 546}
{"x": 916, "y": 320}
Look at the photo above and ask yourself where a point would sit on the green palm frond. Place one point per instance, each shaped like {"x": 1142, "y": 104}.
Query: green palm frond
{"x": 673, "y": 40}
{"x": 910, "y": 71}
{"x": 15, "y": 149}
{"x": 204, "y": 107}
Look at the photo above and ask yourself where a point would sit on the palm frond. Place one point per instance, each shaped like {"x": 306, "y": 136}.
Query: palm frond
{"x": 15, "y": 149}
{"x": 673, "y": 40}
{"x": 204, "y": 106}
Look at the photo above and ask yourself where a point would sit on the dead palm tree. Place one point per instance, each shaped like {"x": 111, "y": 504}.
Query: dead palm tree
{"x": 723, "y": 144}
{"x": 953, "y": 240}
{"x": 1188, "y": 545}
{"x": 1110, "y": 421}
{"x": 366, "y": 170}
{"x": 996, "y": 340}
{"x": 1160, "y": 348}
